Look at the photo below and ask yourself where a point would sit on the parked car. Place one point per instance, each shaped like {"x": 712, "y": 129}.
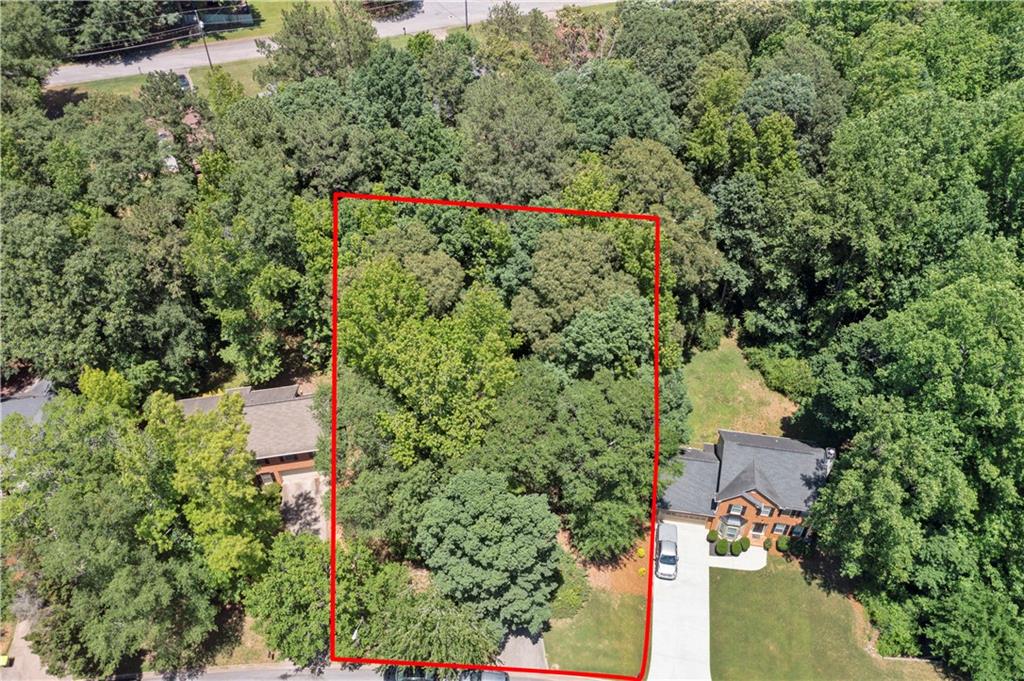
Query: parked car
{"x": 668, "y": 552}
{"x": 184, "y": 83}
{"x": 482, "y": 675}
{"x": 410, "y": 674}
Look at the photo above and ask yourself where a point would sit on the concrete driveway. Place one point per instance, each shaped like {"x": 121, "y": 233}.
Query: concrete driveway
{"x": 680, "y": 613}
{"x": 302, "y": 502}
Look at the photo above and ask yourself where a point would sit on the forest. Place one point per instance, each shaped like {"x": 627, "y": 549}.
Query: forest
{"x": 840, "y": 186}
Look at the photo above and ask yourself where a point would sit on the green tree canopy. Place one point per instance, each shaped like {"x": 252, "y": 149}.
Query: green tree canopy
{"x": 491, "y": 549}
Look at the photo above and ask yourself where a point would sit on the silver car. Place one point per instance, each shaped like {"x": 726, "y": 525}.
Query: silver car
{"x": 665, "y": 565}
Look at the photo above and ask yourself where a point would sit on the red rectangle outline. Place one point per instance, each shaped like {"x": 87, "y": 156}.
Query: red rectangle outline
{"x": 334, "y": 427}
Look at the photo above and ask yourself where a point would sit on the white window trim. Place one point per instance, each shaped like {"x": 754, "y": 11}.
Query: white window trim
{"x": 775, "y": 528}
{"x": 766, "y": 512}
{"x": 736, "y": 509}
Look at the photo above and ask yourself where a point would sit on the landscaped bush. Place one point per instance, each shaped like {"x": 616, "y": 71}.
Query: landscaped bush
{"x": 573, "y": 591}
{"x": 712, "y": 536}
{"x": 722, "y": 547}
{"x": 736, "y": 548}
{"x": 768, "y": 544}
{"x": 799, "y": 547}
{"x": 744, "y": 543}
{"x": 783, "y": 543}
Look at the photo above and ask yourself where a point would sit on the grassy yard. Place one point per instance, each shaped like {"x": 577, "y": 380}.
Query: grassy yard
{"x": 606, "y": 635}
{"x": 773, "y": 624}
{"x": 726, "y": 393}
{"x": 240, "y": 70}
{"x": 127, "y": 86}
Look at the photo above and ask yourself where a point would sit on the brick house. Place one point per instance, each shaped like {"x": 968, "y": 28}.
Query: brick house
{"x": 283, "y": 430}
{"x": 748, "y": 485}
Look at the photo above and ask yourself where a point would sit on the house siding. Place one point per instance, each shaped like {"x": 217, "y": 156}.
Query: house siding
{"x": 751, "y": 517}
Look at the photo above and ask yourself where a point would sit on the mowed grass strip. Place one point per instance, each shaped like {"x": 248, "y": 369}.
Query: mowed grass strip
{"x": 606, "y": 635}
{"x": 772, "y": 624}
{"x": 242, "y": 71}
{"x": 726, "y": 393}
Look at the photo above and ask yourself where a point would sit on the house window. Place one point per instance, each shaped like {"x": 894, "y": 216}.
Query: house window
{"x": 736, "y": 509}
{"x": 733, "y": 520}
{"x": 798, "y": 531}
{"x": 266, "y": 478}
{"x": 779, "y": 528}
{"x": 766, "y": 511}
{"x": 758, "y": 529}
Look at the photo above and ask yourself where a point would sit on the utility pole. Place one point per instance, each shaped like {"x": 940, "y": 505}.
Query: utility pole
{"x": 466, "y": 5}
{"x": 203, "y": 33}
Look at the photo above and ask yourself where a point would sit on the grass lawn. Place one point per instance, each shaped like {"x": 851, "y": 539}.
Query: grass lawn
{"x": 772, "y": 624}
{"x": 128, "y": 86}
{"x": 606, "y": 635}
{"x": 726, "y": 393}
{"x": 240, "y": 70}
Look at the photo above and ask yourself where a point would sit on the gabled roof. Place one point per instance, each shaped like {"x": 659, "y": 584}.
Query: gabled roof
{"x": 788, "y": 472}
{"x": 749, "y": 480}
{"x": 281, "y": 422}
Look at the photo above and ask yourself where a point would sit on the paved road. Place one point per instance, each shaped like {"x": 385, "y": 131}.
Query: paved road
{"x": 434, "y": 15}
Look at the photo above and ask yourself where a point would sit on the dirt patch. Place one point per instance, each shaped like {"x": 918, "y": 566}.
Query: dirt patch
{"x": 628, "y": 576}
{"x": 419, "y": 578}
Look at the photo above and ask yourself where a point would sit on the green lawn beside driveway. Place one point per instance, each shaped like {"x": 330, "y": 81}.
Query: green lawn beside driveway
{"x": 605, "y": 636}
{"x": 775, "y": 624}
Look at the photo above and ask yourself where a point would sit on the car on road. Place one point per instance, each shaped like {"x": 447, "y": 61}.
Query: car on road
{"x": 482, "y": 675}
{"x": 668, "y": 552}
{"x": 410, "y": 674}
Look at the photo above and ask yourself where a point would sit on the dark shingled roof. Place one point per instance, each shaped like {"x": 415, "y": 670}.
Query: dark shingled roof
{"x": 281, "y": 422}
{"x": 695, "y": 490}
{"x": 788, "y": 472}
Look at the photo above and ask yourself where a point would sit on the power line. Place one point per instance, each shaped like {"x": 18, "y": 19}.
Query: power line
{"x": 140, "y": 46}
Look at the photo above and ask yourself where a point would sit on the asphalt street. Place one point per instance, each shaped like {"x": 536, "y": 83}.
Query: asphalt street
{"x": 432, "y": 16}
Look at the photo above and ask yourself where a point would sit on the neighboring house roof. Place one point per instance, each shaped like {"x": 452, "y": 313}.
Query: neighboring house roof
{"x": 695, "y": 490}
{"x": 785, "y": 471}
{"x": 29, "y": 403}
{"x": 281, "y": 422}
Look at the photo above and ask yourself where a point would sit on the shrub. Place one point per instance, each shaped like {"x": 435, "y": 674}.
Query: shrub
{"x": 722, "y": 547}
{"x": 768, "y": 544}
{"x": 798, "y": 547}
{"x": 736, "y": 548}
{"x": 744, "y": 543}
{"x": 790, "y": 376}
{"x": 573, "y": 591}
{"x": 710, "y": 331}
{"x": 712, "y": 536}
{"x": 783, "y": 543}
{"x": 898, "y": 629}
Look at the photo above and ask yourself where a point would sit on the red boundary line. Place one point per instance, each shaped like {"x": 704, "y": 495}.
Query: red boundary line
{"x": 334, "y": 428}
